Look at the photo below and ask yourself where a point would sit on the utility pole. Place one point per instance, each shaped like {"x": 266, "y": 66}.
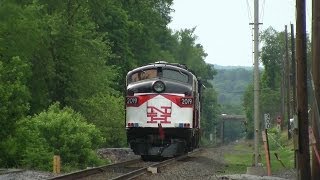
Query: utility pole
{"x": 303, "y": 153}
{"x": 293, "y": 71}
{"x": 256, "y": 83}
{"x": 294, "y": 87}
{"x": 316, "y": 81}
{"x": 287, "y": 77}
{"x": 283, "y": 89}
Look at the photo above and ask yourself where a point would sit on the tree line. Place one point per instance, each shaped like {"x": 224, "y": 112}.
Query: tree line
{"x": 62, "y": 74}
{"x": 272, "y": 58}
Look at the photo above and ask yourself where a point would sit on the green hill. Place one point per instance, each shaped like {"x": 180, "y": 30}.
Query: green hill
{"x": 230, "y": 83}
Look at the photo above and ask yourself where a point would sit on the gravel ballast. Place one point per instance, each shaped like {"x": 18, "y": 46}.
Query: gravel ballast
{"x": 208, "y": 164}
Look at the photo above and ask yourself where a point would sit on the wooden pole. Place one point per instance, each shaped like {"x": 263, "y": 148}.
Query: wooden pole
{"x": 266, "y": 150}
{"x": 283, "y": 106}
{"x": 314, "y": 148}
{"x": 303, "y": 154}
{"x": 294, "y": 90}
{"x": 222, "y": 131}
{"x": 287, "y": 79}
{"x": 56, "y": 164}
{"x": 316, "y": 82}
{"x": 293, "y": 75}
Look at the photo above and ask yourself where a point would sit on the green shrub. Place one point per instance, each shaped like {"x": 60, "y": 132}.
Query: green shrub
{"x": 58, "y": 132}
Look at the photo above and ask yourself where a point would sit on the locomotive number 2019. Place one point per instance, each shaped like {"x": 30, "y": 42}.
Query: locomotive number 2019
{"x": 186, "y": 101}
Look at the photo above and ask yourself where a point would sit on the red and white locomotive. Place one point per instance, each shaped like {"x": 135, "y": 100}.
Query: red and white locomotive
{"x": 162, "y": 110}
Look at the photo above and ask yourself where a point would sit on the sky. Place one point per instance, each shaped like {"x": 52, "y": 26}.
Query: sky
{"x": 222, "y": 26}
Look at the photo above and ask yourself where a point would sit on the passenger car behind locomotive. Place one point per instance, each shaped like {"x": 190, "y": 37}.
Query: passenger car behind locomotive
{"x": 162, "y": 110}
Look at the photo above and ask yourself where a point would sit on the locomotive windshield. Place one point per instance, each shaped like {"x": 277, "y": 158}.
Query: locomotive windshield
{"x": 175, "y": 75}
{"x": 166, "y": 73}
{"x": 144, "y": 74}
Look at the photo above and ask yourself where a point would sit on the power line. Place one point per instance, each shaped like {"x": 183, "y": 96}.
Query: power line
{"x": 262, "y": 11}
{"x": 249, "y": 11}
{"x": 250, "y": 29}
{"x": 233, "y": 92}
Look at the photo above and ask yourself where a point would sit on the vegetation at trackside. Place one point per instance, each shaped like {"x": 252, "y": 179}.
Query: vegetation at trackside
{"x": 241, "y": 156}
{"x": 62, "y": 75}
{"x": 57, "y": 131}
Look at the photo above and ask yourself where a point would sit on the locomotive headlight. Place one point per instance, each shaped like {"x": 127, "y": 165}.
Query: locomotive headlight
{"x": 159, "y": 86}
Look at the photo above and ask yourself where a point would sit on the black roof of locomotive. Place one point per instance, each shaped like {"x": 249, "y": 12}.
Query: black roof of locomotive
{"x": 183, "y": 66}
{"x": 164, "y": 64}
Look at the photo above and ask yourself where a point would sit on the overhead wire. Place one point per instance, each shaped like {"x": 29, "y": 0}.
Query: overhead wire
{"x": 249, "y": 11}
{"x": 250, "y": 28}
{"x": 260, "y": 20}
{"x": 262, "y": 12}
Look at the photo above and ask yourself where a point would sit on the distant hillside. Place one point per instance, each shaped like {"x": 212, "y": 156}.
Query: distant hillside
{"x": 231, "y": 82}
{"x": 216, "y": 66}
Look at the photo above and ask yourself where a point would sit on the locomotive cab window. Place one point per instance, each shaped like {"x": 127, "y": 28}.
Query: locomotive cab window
{"x": 175, "y": 75}
{"x": 159, "y": 72}
{"x": 144, "y": 74}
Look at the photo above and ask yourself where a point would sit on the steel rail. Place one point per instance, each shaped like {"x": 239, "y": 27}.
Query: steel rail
{"x": 10, "y": 171}
{"x": 92, "y": 171}
{"x": 135, "y": 173}
{"x": 141, "y": 171}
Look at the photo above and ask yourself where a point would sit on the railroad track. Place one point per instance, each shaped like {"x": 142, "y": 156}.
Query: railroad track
{"x": 123, "y": 170}
{"x": 10, "y": 171}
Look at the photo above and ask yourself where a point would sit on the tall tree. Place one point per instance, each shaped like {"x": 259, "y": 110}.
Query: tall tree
{"x": 272, "y": 55}
{"x": 210, "y": 111}
{"x": 248, "y": 108}
{"x": 193, "y": 55}
{"x": 113, "y": 20}
{"x": 68, "y": 61}
{"x": 17, "y": 30}
{"x": 14, "y": 94}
